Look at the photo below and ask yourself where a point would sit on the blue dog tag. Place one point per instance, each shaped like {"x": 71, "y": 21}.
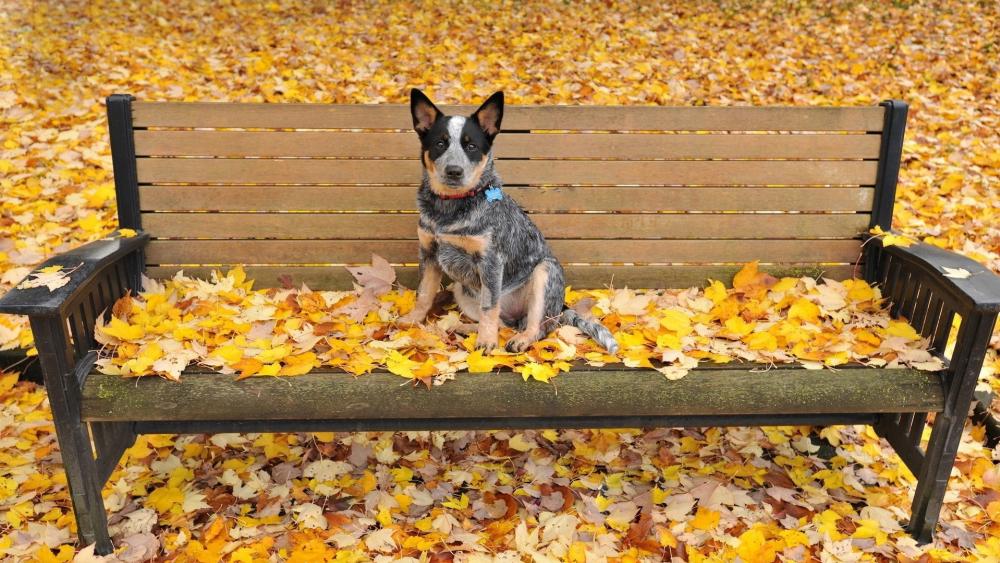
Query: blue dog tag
{"x": 494, "y": 193}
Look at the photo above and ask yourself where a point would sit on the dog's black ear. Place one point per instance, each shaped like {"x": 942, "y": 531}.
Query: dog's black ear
{"x": 424, "y": 112}
{"x": 490, "y": 114}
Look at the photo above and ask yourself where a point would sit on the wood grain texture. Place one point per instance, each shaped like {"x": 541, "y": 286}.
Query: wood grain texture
{"x": 614, "y": 118}
{"x": 531, "y": 198}
{"x": 725, "y": 390}
{"x": 263, "y": 252}
{"x": 682, "y": 276}
{"x": 563, "y": 172}
{"x": 552, "y": 225}
{"x": 510, "y": 145}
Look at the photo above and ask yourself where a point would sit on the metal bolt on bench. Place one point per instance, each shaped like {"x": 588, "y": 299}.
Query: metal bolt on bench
{"x": 799, "y": 199}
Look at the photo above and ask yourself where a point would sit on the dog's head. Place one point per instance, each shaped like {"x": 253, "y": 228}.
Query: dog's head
{"x": 455, "y": 150}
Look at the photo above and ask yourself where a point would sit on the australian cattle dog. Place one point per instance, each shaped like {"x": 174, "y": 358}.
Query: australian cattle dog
{"x": 470, "y": 230}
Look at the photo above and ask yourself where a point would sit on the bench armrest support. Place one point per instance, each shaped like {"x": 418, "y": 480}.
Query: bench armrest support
{"x": 87, "y": 262}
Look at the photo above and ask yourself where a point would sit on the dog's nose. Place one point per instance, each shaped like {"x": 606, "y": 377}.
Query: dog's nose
{"x": 453, "y": 172}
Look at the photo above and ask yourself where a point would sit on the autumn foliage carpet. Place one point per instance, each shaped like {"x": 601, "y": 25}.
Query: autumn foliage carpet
{"x": 624, "y": 495}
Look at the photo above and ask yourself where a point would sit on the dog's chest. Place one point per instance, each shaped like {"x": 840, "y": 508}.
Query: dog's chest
{"x": 459, "y": 255}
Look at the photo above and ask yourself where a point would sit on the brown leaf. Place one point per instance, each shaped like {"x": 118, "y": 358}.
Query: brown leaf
{"x": 378, "y": 277}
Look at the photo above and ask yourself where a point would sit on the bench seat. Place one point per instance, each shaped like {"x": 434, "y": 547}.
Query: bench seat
{"x": 584, "y": 397}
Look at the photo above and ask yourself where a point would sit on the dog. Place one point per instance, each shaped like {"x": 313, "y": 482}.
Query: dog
{"x": 502, "y": 268}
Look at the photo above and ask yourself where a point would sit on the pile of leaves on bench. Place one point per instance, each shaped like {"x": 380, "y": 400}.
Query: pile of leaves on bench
{"x": 225, "y": 325}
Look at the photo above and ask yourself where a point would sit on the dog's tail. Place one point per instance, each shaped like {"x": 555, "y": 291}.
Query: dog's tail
{"x": 591, "y": 328}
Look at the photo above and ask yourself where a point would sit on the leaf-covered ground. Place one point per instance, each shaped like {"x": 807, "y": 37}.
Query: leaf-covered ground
{"x": 58, "y": 62}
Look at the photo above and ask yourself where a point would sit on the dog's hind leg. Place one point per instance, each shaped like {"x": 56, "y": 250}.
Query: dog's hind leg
{"x": 535, "y": 307}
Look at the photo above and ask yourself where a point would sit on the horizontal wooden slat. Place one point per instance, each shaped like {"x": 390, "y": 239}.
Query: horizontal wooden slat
{"x": 563, "y": 198}
{"x": 325, "y": 171}
{"x": 583, "y": 251}
{"x": 728, "y": 390}
{"x": 556, "y": 145}
{"x": 336, "y": 277}
{"x": 616, "y": 118}
{"x": 553, "y": 226}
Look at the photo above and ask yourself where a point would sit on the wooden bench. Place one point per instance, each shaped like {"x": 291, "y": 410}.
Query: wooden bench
{"x": 641, "y": 196}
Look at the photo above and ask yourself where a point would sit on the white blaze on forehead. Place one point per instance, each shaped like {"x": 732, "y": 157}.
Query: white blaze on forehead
{"x": 455, "y": 155}
{"x": 455, "y": 126}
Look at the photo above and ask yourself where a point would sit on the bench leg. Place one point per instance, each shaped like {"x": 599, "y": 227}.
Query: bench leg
{"x": 85, "y": 485}
{"x": 932, "y": 479}
{"x": 939, "y": 459}
{"x": 62, "y": 385}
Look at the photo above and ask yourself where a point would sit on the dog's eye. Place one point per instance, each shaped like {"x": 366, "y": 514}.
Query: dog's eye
{"x": 471, "y": 147}
{"x": 441, "y": 144}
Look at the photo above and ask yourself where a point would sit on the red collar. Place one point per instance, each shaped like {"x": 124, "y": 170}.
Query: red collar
{"x": 464, "y": 195}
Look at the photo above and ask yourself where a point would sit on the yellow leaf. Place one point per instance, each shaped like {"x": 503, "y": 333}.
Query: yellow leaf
{"x": 859, "y": 290}
{"x": 164, "y": 499}
{"x": 747, "y": 275}
{"x": 705, "y": 519}
{"x": 870, "y": 529}
{"x": 520, "y": 444}
{"x": 126, "y": 233}
{"x": 716, "y": 292}
{"x": 401, "y": 365}
{"x": 676, "y": 321}
{"x": 270, "y": 369}
{"x": 274, "y": 354}
{"x": 122, "y": 330}
{"x": 805, "y": 310}
{"x": 540, "y": 372}
{"x": 460, "y": 504}
{"x": 248, "y": 367}
{"x": 231, "y": 354}
{"x": 761, "y": 341}
{"x": 384, "y": 517}
{"x": 480, "y": 364}
{"x": 903, "y": 329}
{"x": 738, "y": 328}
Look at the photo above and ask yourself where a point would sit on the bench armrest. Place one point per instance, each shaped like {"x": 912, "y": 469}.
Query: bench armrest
{"x": 980, "y": 291}
{"x": 87, "y": 262}
{"x": 915, "y": 281}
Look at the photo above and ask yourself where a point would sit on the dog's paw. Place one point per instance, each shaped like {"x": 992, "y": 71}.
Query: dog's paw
{"x": 520, "y": 342}
{"x": 486, "y": 343}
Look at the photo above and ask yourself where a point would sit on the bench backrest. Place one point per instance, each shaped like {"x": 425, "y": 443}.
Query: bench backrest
{"x": 637, "y": 196}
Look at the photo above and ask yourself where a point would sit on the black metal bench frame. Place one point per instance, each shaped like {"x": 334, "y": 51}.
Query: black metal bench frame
{"x": 92, "y": 440}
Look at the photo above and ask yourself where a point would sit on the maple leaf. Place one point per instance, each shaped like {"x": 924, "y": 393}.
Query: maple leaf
{"x": 377, "y": 277}
{"x": 956, "y": 273}
{"x": 52, "y": 277}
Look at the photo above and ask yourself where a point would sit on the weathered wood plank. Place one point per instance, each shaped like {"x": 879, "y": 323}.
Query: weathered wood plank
{"x": 512, "y": 145}
{"x": 554, "y": 226}
{"x": 562, "y": 172}
{"x": 564, "y": 198}
{"x": 336, "y": 277}
{"x": 613, "y": 118}
{"x": 264, "y": 252}
{"x": 721, "y": 391}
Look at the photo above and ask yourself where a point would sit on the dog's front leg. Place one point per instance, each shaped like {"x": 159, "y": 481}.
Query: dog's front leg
{"x": 430, "y": 280}
{"x": 491, "y": 279}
